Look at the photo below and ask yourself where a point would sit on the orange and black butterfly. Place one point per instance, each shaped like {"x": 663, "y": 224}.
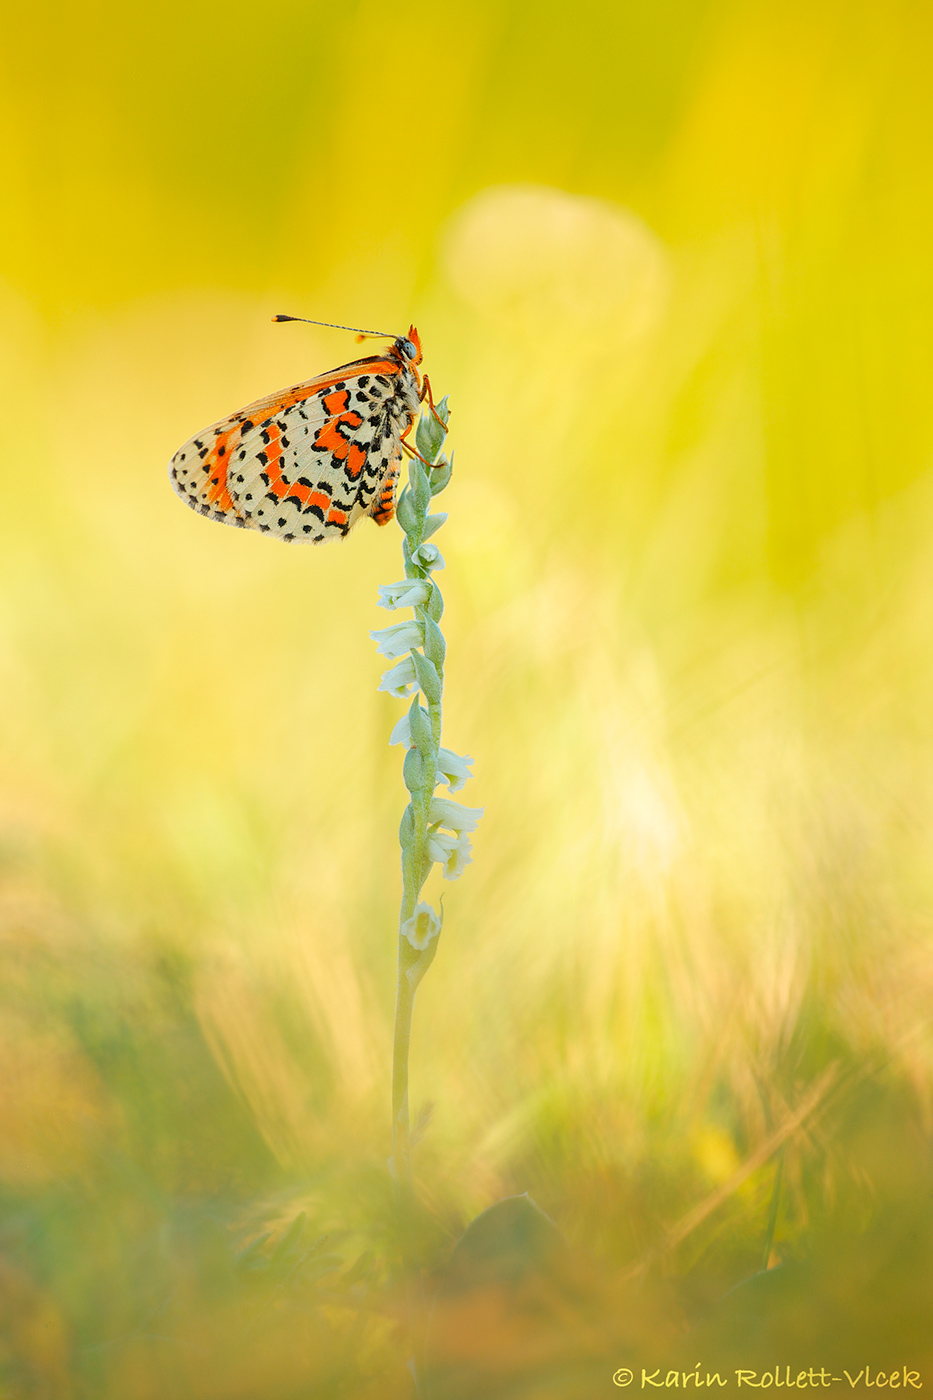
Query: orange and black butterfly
{"x": 308, "y": 462}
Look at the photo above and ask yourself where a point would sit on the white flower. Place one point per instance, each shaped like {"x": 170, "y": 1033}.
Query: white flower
{"x": 423, "y": 925}
{"x": 454, "y": 815}
{"x": 407, "y": 593}
{"x": 452, "y": 852}
{"x": 400, "y": 637}
{"x": 452, "y": 769}
{"x": 428, "y": 556}
{"x": 401, "y": 734}
{"x": 400, "y": 680}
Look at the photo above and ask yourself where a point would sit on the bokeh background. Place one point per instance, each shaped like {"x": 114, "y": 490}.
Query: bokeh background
{"x": 672, "y": 265}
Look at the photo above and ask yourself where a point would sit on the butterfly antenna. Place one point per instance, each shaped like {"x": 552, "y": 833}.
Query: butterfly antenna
{"x": 335, "y": 327}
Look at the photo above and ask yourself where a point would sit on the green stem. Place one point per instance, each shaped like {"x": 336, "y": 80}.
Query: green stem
{"x": 413, "y": 963}
{"x": 404, "y": 1006}
{"x": 434, "y": 713}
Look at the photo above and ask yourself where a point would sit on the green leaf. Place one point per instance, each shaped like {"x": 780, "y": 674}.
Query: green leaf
{"x": 405, "y": 512}
{"x": 419, "y": 726}
{"x": 419, "y": 488}
{"x": 406, "y": 829}
{"x": 434, "y": 607}
{"x": 441, "y": 473}
{"x": 413, "y": 770}
{"x": 429, "y": 436}
{"x": 428, "y": 678}
{"x": 435, "y": 648}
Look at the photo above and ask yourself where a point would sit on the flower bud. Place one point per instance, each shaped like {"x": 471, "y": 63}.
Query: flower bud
{"x": 427, "y": 556}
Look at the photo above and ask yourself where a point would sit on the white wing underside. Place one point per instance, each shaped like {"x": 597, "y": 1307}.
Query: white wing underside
{"x": 290, "y": 465}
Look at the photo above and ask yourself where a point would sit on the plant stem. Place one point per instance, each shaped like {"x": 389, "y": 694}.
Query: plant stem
{"x": 404, "y": 1006}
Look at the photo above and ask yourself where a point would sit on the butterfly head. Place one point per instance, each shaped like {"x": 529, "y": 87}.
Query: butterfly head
{"x": 409, "y": 346}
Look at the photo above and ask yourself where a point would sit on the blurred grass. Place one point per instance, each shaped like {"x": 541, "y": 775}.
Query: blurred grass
{"x": 682, "y": 316}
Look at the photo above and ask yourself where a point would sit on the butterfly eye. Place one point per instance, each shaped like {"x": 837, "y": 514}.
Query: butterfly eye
{"x": 407, "y": 349}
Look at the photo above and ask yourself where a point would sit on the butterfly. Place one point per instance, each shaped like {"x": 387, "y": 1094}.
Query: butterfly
{"x": 308, "y": 462}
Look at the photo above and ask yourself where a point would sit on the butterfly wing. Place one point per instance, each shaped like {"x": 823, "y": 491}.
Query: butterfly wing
{"x": 305, "y": 463}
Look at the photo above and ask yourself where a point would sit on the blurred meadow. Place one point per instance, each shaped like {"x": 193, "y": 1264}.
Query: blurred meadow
{"x": 672, "y": 264}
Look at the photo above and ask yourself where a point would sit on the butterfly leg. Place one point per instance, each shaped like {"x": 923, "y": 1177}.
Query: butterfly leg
{"x": 413, "y": 452}
{"x": 426, "y": 390}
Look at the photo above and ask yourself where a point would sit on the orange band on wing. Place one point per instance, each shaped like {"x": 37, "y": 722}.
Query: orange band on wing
{"x": 337, "y": 402}
{"x": 356, "y": 460}
{"x": 216, "y": 462}
{"x": 332, "y": 440}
